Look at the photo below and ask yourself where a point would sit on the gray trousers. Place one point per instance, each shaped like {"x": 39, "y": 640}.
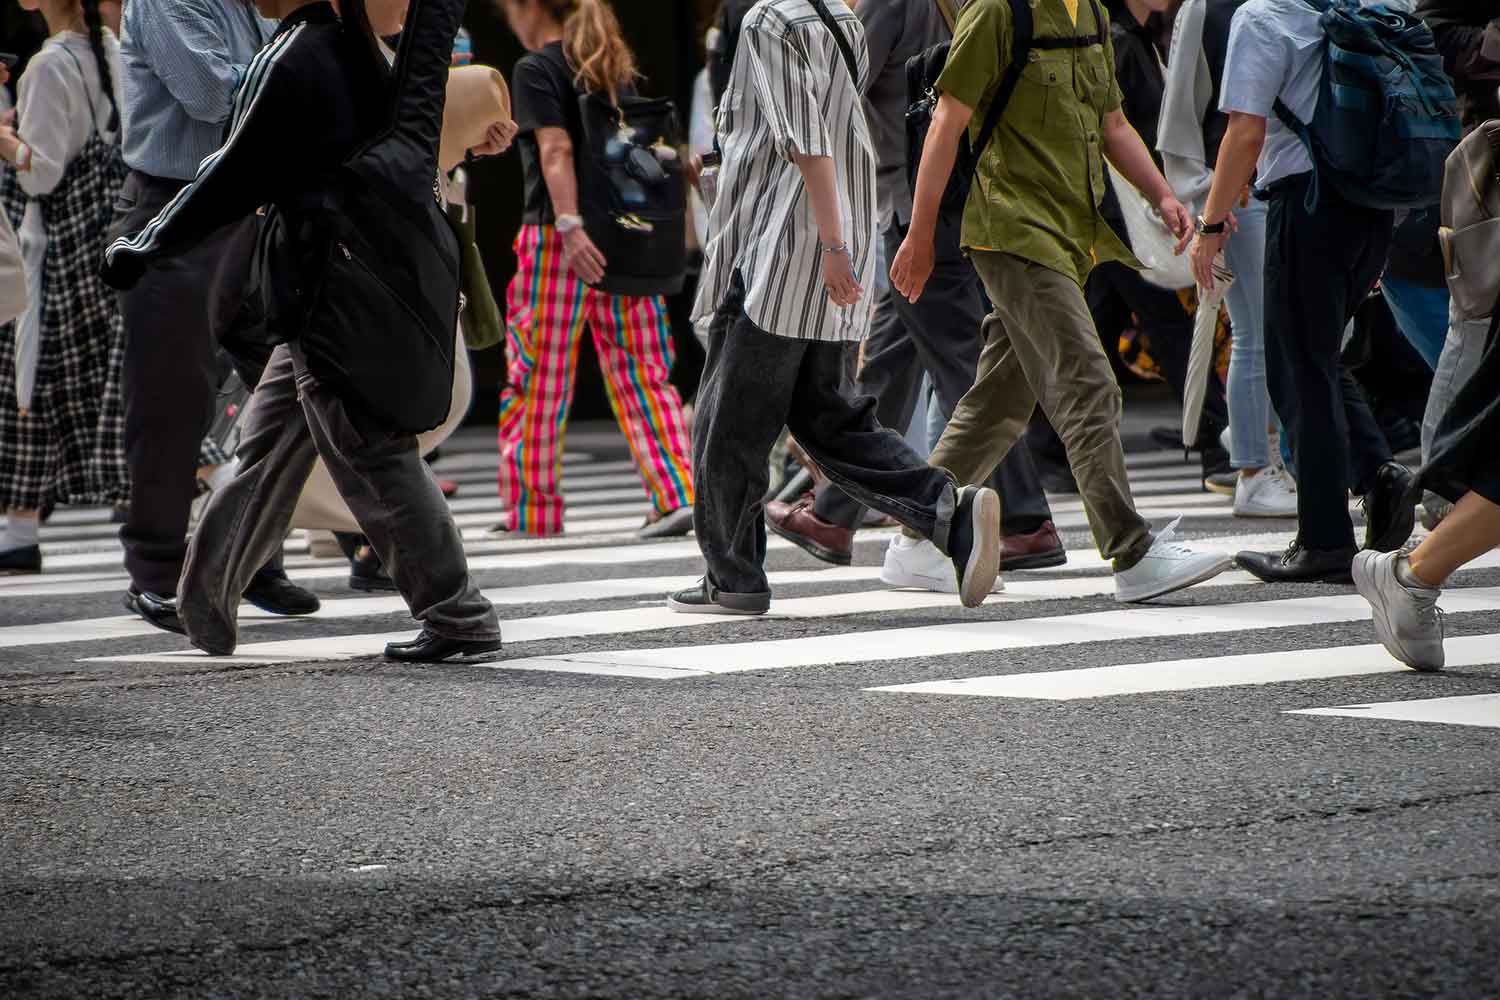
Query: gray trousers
{"x": 291, "y": 422}
{"x": 1462, "y": 352}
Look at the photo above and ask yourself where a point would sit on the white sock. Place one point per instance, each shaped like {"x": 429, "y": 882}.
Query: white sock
{"x": 20, "y": 533}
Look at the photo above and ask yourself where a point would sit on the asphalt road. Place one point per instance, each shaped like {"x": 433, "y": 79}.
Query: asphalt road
{"x": 754, "y": 825}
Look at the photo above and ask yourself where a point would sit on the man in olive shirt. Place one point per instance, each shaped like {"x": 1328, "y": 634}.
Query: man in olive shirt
{"x": 1033, "y": 229}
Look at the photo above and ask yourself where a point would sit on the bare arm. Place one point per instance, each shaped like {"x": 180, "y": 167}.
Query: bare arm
{"x": 562, "y": 186}
{"x": 822, "y": 190}
{"x": 914, "y": 261}
{"x": 1238, "y": 154}
{"x": 1123, "y": 147}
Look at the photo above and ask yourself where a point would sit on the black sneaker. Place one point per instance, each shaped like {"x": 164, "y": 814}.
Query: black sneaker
{"x": 366, "y": 572}
{"x": 1390, "y": 508}
{"x": 705, "y": 599}
{"x": 974, "y": 543}
{"x": 24, "y": 560}
{"x": 274, "y": 594}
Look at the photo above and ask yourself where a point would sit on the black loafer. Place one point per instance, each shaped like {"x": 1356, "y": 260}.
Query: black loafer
{"x": 156, "y": 609}
{"x": 1390, "y": 508}
{"x": 1299, "y": 565}
{"x": 26, "y": 559}
{"x": 430, "y": 647}
{"x": 275, "y": 594}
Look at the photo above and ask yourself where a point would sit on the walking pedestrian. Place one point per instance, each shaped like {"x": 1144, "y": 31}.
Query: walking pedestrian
{"x": 1403, "y": 587}
{"x": 791, "y": 252}
{"x": 183, "y": 62}
{"x": 575, "y": 48}
{"x": 323, "y": 88}
{"x": 1191, "y": 130}
{"x": 1321, "y": 262}
{"x": 60, "y": 360}
{"x": 1159, "y": 312}
{"x": 1467, "y": 33}
{"x": 1033, "y": 230}
{"x": 938, "y": 336}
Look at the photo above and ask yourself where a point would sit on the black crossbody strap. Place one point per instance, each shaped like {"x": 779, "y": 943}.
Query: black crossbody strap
{"x": 838, "y": 36}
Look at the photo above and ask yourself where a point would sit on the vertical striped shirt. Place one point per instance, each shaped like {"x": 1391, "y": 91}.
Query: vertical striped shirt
{"x": 790, "y": 92}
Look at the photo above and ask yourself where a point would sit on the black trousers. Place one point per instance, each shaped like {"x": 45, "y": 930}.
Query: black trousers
{"x": 174, "y": 319}
{"x": 1163, "y": 319}
{"x": 939, "y": 334}
{"x": 1320, "y": 265}
{"x": 756, "y": 383}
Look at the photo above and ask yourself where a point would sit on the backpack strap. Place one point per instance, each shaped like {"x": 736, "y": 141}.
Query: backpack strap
{"x": 420, "y": 89}
{"x": 949, "y": 10}
{"x": 838, "y": 36}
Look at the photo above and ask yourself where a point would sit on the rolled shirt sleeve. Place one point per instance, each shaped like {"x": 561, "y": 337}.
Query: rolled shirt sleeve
{"x": 978, "y": 55}
{"x": 47, "y": 123}
{"x": 788, "y": 80}
{"x": 191, "y": 57}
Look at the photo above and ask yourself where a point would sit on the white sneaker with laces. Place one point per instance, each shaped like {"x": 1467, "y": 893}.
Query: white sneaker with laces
{"x": 1407, "y": 620}
{"x": 1169, "y": 566}
{"x": 1265, "y": 494}
{"x": 917, "y": 564}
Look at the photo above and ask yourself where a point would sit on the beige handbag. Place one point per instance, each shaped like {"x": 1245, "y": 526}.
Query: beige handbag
{"x": 1470, "y": 234}
{"x": 12, "y": 273}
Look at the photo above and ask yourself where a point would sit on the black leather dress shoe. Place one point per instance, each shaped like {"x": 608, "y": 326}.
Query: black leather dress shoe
{"x": 1390, "y": 508}
{"x": 432, "y": 648}
{"x": 156, "y": 609}
{"x": 1299, "y": 565}
{"x": 274, "y": 593}
{"x": 26, "y": 559}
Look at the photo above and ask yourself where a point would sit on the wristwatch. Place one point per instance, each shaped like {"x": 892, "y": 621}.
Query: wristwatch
{"x": 1217, "y": 229}
{"x": 568, "y": 223}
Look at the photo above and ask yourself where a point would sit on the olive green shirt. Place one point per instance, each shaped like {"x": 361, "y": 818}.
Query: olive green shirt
{"x": 1040, "y": 181}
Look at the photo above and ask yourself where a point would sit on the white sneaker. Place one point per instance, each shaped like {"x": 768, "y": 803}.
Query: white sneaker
{"x": 917, "y": 564}
{"x": 1265, "y": 494}
{"x": 1407, "y": 620}
{"x": 1169, "y": 566}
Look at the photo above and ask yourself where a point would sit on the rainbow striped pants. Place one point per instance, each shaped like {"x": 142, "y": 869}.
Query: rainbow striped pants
{"x": 548, "y": 307}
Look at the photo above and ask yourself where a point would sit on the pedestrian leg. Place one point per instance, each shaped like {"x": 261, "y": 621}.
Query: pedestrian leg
{"x": 545, "y": 324}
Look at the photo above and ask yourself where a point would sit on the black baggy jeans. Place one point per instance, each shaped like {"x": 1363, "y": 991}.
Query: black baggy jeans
{"x": 756, "y": 383}
{"x": 174, "y": 319}
{"x": 939, "y": 334}
{"x": 1320, "y": 266}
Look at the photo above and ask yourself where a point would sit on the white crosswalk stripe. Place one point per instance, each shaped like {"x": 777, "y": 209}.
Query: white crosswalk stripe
{"x": 845, "y": 622}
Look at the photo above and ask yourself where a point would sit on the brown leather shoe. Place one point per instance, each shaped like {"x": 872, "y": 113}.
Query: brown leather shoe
{"x": 797, "y": 523}
{"x": 1037, "y": 550}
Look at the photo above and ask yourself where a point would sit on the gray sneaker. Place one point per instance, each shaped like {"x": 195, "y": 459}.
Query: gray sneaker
{"x": 1407, "y": 620}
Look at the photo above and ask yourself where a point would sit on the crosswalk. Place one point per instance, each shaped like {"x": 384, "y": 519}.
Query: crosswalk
{"x": 588, "y": 605}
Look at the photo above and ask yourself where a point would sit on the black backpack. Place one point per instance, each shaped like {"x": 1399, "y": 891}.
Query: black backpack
{"x": 922, "y": 72}
{"x": 381, "y": 317}
{"x": 636, "y": 207}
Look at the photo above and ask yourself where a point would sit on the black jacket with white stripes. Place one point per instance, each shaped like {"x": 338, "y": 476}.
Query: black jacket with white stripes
{"x": 310, "y": 98}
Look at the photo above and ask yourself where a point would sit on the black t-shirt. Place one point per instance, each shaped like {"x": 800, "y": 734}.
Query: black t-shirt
{"x": 543, "y": 96}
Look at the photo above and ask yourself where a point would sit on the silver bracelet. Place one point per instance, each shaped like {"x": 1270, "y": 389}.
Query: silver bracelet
{"x": 842, "y": 248}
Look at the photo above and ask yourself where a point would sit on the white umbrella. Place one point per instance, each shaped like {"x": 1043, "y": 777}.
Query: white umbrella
{"x": 1201, "y": 358}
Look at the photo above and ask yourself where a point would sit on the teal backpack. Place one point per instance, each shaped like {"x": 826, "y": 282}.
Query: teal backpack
{"x": 1386, "y": 117}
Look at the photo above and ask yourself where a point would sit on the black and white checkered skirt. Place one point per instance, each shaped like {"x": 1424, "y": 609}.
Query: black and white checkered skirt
{"x": 69, "y": 447}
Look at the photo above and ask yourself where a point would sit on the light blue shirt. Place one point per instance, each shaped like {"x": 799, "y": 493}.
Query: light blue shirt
{"x": 1276, "y": 51}
{"x": 182, "y": 61}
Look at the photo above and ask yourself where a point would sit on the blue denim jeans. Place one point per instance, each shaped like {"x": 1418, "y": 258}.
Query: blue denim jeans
{"x": 1421, "y": 314}
{"x": 1250, "y": 414}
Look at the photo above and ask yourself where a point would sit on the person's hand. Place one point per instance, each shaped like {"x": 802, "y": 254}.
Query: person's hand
{"x": 694, "y": 169}
{"x": 10, "y": 142}
{"x": 580, "y": 254}
{"x": 912, "y": 266}
{"x": 1178, "y": 220}
{"x": 497, "y": 139}
{"x": 4, "y": 74}
{"x": 838, "y": 278}
{"x": 1206, "y": 248}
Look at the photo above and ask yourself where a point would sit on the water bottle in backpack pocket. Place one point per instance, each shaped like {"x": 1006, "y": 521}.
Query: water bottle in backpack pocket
{"x": 636, "y": 208}
{"x": 1386, "y": 117}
